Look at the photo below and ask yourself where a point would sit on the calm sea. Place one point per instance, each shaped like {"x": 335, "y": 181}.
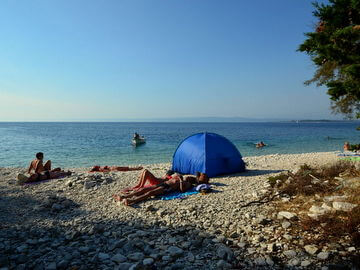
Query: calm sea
{"x": 87, "y": 144}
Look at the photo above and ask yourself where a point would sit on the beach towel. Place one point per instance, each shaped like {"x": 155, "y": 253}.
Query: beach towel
{"x": 177, "y": 195}
{"x": 37, "y": 182}
{"x": 106, "y": 169}
{"x": 354, "y": 158}
{"x": 203, "y": 187}
{"x": 348, "y": 154}
{"x": 42, "y": 181}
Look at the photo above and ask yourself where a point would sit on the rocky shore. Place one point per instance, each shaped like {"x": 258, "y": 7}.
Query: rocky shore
{"x": 73, "y": 223}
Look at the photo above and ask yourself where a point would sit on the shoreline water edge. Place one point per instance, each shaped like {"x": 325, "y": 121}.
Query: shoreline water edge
{"x": 71, "y": 224}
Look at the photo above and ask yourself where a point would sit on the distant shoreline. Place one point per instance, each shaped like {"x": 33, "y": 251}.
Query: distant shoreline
{"x": 320, "y": 121}
{"x": 188, "y": 121}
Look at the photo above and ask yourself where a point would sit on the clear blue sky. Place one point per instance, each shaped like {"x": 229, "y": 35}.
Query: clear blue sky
{"x": 114, "y": 59}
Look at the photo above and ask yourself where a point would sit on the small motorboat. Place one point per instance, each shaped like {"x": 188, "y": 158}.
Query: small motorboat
{"x": 138, "y": 141}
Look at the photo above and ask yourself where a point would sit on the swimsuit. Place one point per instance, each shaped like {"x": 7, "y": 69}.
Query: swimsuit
{"x": 46, "y": 173}
{"x": 166, "y": 187}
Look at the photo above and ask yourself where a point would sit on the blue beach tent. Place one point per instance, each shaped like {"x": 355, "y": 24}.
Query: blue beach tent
{"x": 208, "y": 153}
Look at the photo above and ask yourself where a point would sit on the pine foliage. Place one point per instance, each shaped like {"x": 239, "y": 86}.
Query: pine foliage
{"x": 334, "y": 48}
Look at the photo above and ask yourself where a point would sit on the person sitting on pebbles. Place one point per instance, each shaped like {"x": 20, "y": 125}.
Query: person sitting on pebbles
{"x": 142, "y": 194}
{"x": 37, "y": 165}
{"x": 39, "y": 171}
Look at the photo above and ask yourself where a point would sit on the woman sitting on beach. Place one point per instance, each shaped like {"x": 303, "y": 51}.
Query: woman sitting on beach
{"x": 114, "y": 168}
{"x": 37, "y": 165}
{"x": 142, "y": 194}
{"x": 39, "y": 171}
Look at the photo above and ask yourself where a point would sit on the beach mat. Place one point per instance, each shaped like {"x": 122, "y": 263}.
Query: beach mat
{"x": 351, "y": 158}
{"x": 43, "y": 181}
{"x": 348, "y": 154}
{"x": 37, "y": 182}
{"x": 178, "y": 195}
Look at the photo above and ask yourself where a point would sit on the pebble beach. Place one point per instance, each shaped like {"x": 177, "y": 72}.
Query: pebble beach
{"x": 74, "y": 223}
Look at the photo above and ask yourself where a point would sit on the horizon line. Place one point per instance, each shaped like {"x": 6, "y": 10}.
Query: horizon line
{"x": 179, "y": 120}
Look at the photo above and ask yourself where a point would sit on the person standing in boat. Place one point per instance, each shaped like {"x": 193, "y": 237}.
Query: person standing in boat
{"x": 136, "y": 136}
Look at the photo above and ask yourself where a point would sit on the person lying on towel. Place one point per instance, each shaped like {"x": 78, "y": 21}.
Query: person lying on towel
{"x": 147, "y": 179}
{"x": 114, "y": 168}
{"x": 171, "y": 185}
{"x": 35, "y": 177}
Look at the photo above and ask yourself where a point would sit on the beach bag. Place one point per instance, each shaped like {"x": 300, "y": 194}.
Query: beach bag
{"x": 203, "y": 188}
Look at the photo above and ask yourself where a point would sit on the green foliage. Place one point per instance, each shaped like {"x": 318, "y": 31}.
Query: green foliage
{"x": 305, "y": 167}
{"x": 334, "y": 48}
{"x": 309, "y": 180}
{"x": 354, "y": 147}
{"x": 278, "y": 179}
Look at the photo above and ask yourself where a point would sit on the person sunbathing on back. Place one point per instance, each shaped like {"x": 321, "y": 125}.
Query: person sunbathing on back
{"x": 35, "y": 177}
{"x": 142, "y": 194}
{"x": 114, "y": 168}
{"x": 146, "y": 178}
